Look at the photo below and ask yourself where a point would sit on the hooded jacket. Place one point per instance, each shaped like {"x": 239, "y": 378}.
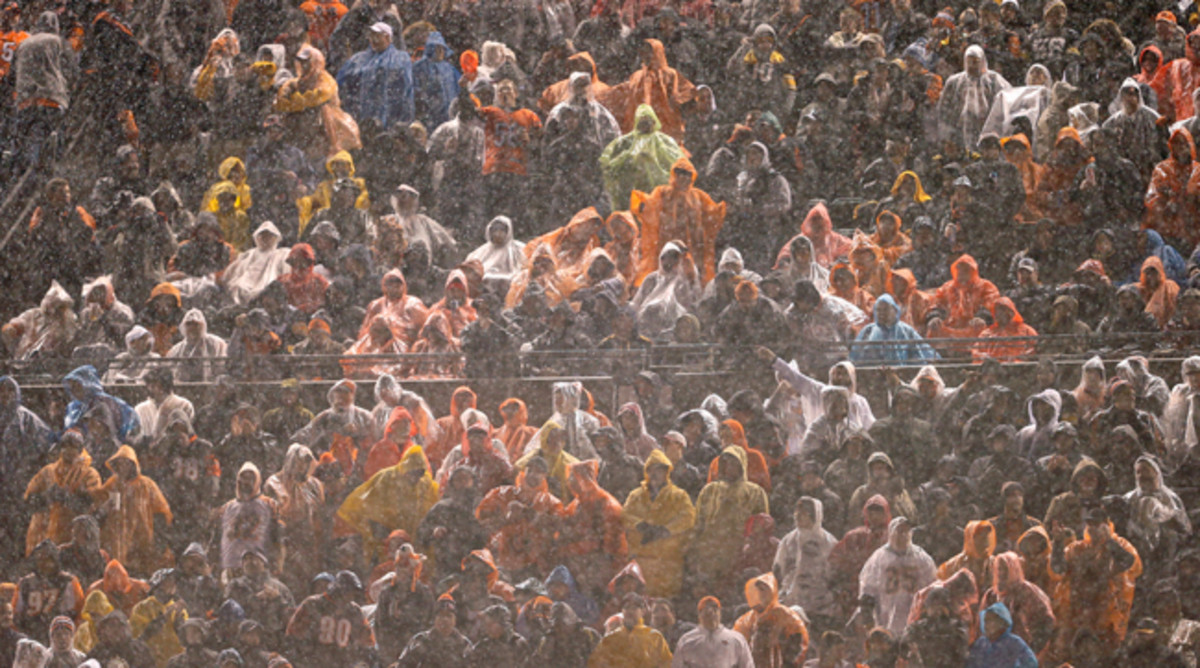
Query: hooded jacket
{"x": 53, "y": 522}
{"x": 392, "y": 500}
{"x": 1168, "y": 207}
{"x": 378, "y": 86}
{"x": 893, "y": 602}
{"x": 128, "y": 532}
{"x": 721, "y": 513}
{"x": 41, "y": 62}
{"x": 912, "y": 352}
{"x": 776, "y": 633}
{"x": 680, "y": 211}
{"x": 1033, "y": 619}
{"x": 205, "y": 346}
{"x": 646, "y": 517}
{"x": 962, "y": 301}
{"x": 966, "y": 100}
{"x": 803, "y": 562}
{"x": 1176, "y": 81}
{"x": 1006, "y": 651}
{"x": 655, "y": 84}
{"x": 435, "y": 82}
{"x": 638, "y": 160}
{"x": 125, "y": 418}
{"x": 249, "y": 274}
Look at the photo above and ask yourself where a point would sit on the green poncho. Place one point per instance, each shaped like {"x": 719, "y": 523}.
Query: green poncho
{"x": 638, "y": 160}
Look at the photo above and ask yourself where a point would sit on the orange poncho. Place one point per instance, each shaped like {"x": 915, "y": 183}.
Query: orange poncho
{"x": 756, "y": 465}
{"x": 1059, "y": 176}
{"x": 1090, "y": 596}
{"x": 128, "y": 531}
{"x": 542, "y": 270}
{"x": 962, "y": 299}
{"x": 521, "y": 540}
{"x": 1175, "y": 82}
{"x": 625, "y": 247}
{"x": 914, "y": 304}
{"x": 1169, "y": 199}
{"x": 680, "y": 211}
{"x": 769, "y": 625}
{"x": 893, "y": 248}
{"x": 516, "y": 432}
{"x": 385, "y": 452}
{"x": 1005, "y": 351}
{"x": 450, "y": 427}
{"x": 54, "y": 523}
{"x": 462, "y": 314}
{"x": 559, "y": 91}
{"x": 828, "y": 246}
{"x": 657, "y": 85}
{"x": 407, "y": 311}
{"x": 871, "y": 270}
{"x": 857, "y": 296}
{"x": 592, "y": 536}
{"x": 1031, "y": 176}
{"x": 1160, "y": 302}
{"x": 571, "y": 244}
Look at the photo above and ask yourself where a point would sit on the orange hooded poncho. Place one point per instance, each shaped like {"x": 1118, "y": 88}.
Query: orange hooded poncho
{"x": 521, "y": 540}
{"x": 914, "y": 303}
{"x": 769, "y": 625}
{"x": 592, "y": 535}
{"x": 1005, "y": 351}
{"x": 122, "y": 591}
{"x": 450, "y": 427}
{"x": 972, "y": 558}
{"x": 871, "y": 270}
{"x": 857, "y": 295}
{"x": 625, "y": 247}
{"x": 1059, "y": 176}
{"x": 828, "y": 246}
{"x": 1031, "y": 176}
{"x": 1175, "y": 82}
{"x": 542, "y": 270}
{"x": 961, "y": 298}
{"x": 678, "y": 211}
{"x": 560, "y": 90}
{"x": 657, "y": 85}
{"x": 1160, "y": 302}
{"x": 571, "y": 244}
{"x": 128, "y": 532}
{"x": 406, "y": 310}
{"x": 1169, "y": 199}
{"x": 385, "y": 452}
{"x": 54, "y": 523}
{"x": 1102, "y": 606}
{"x": 893, "y": 248}
{"x": 516, "y": 432}
{"x": 461, "y": 314}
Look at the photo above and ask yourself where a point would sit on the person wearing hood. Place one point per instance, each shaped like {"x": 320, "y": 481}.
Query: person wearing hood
{"x": 396, "y": 303}
{"x": 967, "y": 98}
{"x": 305, "y": 288}
{"x": 802, "y": 563}
{"x": 84, "y": 388}
{"x": 927, "y": 259}
{"x": 592, "y": 541}
{"x": 680, "y": 211}
{"x": 655, "y": 84}
{"x": 667, "y": 293}
{"x": 397, "y": 497}
{"x": 510, "y": 136}
{"x": 1180, "y": 414}
{"x": 47, "y": 330}
{"x": 197, "y": 344}
{"x": 633, "y": 644}
{"x": 405, "y": 604}
{"x": 501, "y": 254}
{"x": 1158, "y": 520}
{"x": 40, "y": 81}
{"x": 435, "y": 81}
{"x": 898, "y": 556}
{"x": 311, "y": 107}
{"x": 120, "y": 591}
{"x": 192, "y": 635}
{"x": 450, "y": 530}
{"x": 377, "y": 83}
{"x": 116, "y": 643}
{"x": 888, "y": 327}
{"x": 135, "y": 512}
{"x": 1099, "y": 572}
{"x": 1159, "y": 292}
{"x": 1152, "y": 391}
{"x": 1002, "y": 463}
{"x": 250, "y": 273}
{"x": 1036, "y": 439}
{"x": 760, "y": 202}
{"x": 342, "y": 420}
{"x": 939, "y": 637}
{"x": 1089, "y": 483}
{"x": 130, "y": 365}
{"x": 957, "y": 303}
{"x": 103, "y": 319}
{"x": 998, "y": 646}
{"x": 343, "y": 640}
{"x": 25, "y": 440}
{"x": 979, "y": 545}
{"x": 722, "y": 509}
{"x": 299, "y": 498}
{"x": 1176, "y": 80}
{"x": 882, "y": 479}
{"x": 658, "y": 519}
{"x": 249, "y": 521}
{"x": 1033, "y": 618}
{"x": 1168, "y": 198}
{"x": 521, "y": 541}
{"x": 632, "y": 425}
{"x": 811, "y": 390}
{"x": 777, "y": 634}
{"x": 162, "y": 402}
{"x": 1138, "y": 131}
{"x": 620, "y": 472}
{"x": 196, "y": 586}
{"x": 158, "y": 617}
{"x": 639, "y": 160}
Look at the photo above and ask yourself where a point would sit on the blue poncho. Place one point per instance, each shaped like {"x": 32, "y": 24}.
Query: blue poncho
{"x": 436, "y": 83}
{"x": 123, "y": 414}
{"x": 378, "y": 86}
{"x": 1007, "y": 651}
{"x": 909, "y": 349}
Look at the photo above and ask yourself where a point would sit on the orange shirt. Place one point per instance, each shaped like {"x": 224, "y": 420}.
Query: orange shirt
{"x": 9, "y": 42}
{"x": 505, "y": 136}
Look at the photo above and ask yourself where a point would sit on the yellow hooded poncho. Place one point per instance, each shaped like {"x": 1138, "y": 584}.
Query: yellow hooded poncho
{"x": 661, "y": 560}
{"x": 391, "y": 500}
{"x": 243, "y": 189}
{"x": 558, "y": 464}
{"x": 95, "y": 607}
{"x": 721, "y": 512}
{"x": 163, "y": 644}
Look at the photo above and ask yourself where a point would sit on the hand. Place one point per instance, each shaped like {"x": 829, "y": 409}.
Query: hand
{"x": 978, "y": 323}
{"x": 439, "y": 533}
{"x": 765, "y": 354}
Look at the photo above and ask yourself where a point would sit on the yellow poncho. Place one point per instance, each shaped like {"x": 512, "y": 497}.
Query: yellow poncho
{"x": 721, "y": 512}
{"x": 391, "y": 501}
{"x": 661, "y": 560}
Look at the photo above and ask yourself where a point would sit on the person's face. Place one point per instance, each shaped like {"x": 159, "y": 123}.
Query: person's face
{"x": 444, "y": 622}
{"x": 901, "y": 538}
{"x": 493, "y": 627}
{"x": 661, "y": 616}
{"x": 46, "y": 566}
{"x": 125, "y": 469}
{"x": 885, "y": 314}
{"x": 379, "y": 41}
{"x": 803, "y": 518}
{"x": 982, "y": 540}
{"x": 993, "y": 626}
{"x": 880, "y": 472}
{"x": 999, "y": 445}
{"x": 1180, "y": 150}
{"x": 1043, "y": 413}
{"x": 1124, "y": 401}
{"x": 245, "y": 482}
{"x": 632, "y": 614}
{"x": 6, "y": 615}
{"x": 730, "y": 468}
{"x": 1014, "y": 505}
{"x": 1004, "y": 316}
{"x": 753, "y": 160}
{"x": 67, "y": 454}
{"x": 1089, "y": 483}
{"x": 974, "y": 65}
{"x": 1147, "y": 477}
{"x": 646, "y": 54}
{"x": 342, "y": 400}
{"x": 1153, "y": 278}
{"x": 876, "y": 518}
{"x": 658, "y": 475}
{"x": 710, "y": 617}
{"x": 506, "y": 94}
{"x": 556, "y": 442}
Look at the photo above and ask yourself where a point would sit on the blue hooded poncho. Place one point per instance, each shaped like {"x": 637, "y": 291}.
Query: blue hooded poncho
{"x": 126, "y": 420}
{"x": 585, "y": 608}
{"x": 1172, "y": 261}
{"x": 378, "y": 86}
{"x": 913, "y": 350}
{"x": 435, "y": 83}
{"x": 1007, "y": 651}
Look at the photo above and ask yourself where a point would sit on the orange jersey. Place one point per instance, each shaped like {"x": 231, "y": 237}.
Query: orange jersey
{"x": 505, "y": 136}
{"x": 323, "y": 17}
{"x": 9, "y": 42}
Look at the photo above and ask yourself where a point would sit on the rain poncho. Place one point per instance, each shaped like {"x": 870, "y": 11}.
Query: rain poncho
{"x": 435, "y": 82}
{"x": 639, "y": 647}
{"x": 389, "y": 395}
{"x": 1096, "y": 592}
{"x": 125, "y": 417}
{"x": 317, "y": 91}
{"x": 1169, "y": 209}
{"x": 128, "y": 531}
{"x": 771, "y": 628}
{"x": 23, "y": 435}
{"x": 1179, "y": 421}
{"x": 1033, "y": 618}
{"x": 721, "y": 513}
{"x": 1150, "y": 507}
{"x": 810, "y": 390}
{"x": 450, "y": 427}
{"x": 520, "y": 541}
{"x": 894, "y": 575}
{"x": 828, "y": 246}
{"x": 560, "y": 91}
{"x": 543, "y": 276}
{"x": 151, "y": 623}
{"x": 95, "y": 607}
{"x": 569, "y": 416}
{"x": 1012, "y": 103}
{"x": 592, "y": 540}
{"x": 670, "y": 509}
{"x": 657, "y": 85}
{"x": 406, "y": 311}
{"x": 500, "y": 260}
{"x": 253, "y": 270}
{"x": 680, "y": 211}
{"x": 1007, "y": 651}
{"x": 601, "y": 126}
{"x": 1152, "y": 392}
{"x": 1175, "y": 82}
{"x": 913, "y": 350}
{"x": 1035, "y": 441}
{"x": 570, "y": 245}
{"x": 78, "y": 480}
{"x": 792, "y": 271}
{"x": 665, "y": 296}
{"x": 378, "y": 85}
{"x": 963, "y": 300}
{"x": 242, "y": 190}
{"x": 1160, "y": 302}
{"x": 966, "y": 101}
{"x": 205, "y": 347}
{"x": 392, "y": 499}
{"x": 638, "y": 160}
{"x": 558, "y": 464}
{"x": 49, "y": 328}
{"x": 974, "y": 558}
{"x": 803, "y": 562}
